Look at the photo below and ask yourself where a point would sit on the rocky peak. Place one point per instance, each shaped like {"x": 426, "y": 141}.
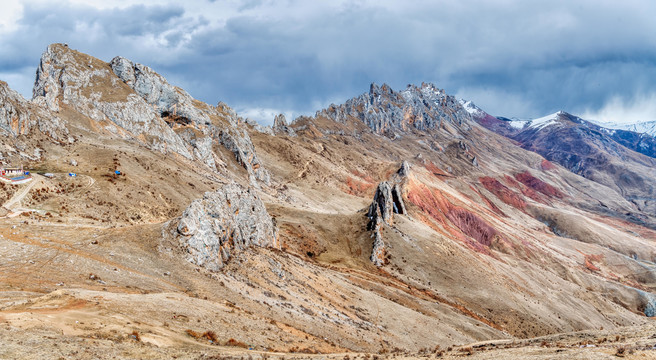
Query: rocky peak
{"x": 223, "y": 223}
{"x": 279, "y": 121}
{"x": 388, "y": 112}
{"x": 404, "y": 171}
{"x": 280, "y": 126}
{"x": 181, "y": 110}
{"x": 89, "y": 86}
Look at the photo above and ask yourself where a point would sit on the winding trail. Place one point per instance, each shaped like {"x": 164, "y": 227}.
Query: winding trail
{"x": 14, "y": 203}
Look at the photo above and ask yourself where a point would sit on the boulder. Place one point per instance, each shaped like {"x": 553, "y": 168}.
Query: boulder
{"x": 222, "y": 223}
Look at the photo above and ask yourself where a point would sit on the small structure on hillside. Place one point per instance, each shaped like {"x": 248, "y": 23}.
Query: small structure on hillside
{"x": 14, "y": 175}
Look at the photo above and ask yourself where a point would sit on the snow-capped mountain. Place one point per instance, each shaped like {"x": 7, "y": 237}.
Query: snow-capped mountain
{"x": 472, "y": 109}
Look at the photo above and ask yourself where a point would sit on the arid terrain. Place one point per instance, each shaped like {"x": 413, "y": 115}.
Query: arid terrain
{"x": 395, "y": 225}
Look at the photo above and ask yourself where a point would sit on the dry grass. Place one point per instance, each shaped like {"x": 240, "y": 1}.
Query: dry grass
{"x": 236, "y": 343}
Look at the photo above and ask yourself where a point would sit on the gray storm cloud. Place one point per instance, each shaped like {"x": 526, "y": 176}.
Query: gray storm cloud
{"x": 512, "y": 58}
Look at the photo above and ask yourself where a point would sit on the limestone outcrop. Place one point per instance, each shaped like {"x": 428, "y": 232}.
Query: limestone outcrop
{"x": 181, "y": 110}
{"x": 222, "y": 223}
{"x": 165, "y": 98}
{"x": 388, "y": 200}
{"x": 280, "y": 125}
{"x": 239, "y": 143}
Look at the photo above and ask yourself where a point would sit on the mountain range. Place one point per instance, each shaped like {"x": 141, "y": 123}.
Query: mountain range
{"x": 399, "y": 223}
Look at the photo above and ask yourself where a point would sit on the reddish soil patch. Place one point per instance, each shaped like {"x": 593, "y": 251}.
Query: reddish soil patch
{"x": 357, "y": 188}
{"x": 547, "y": 165}
{"x": 431, "y": 202}
{"x": 589, "y": 265}
{"x": 472, "y": 225}
{"x": 489, "y": 120}
{"x": 435, "y": 170}
{"x": 456, "y": 220}
{"x": 503, "y": 193}
{"x": 538, "y": 185}
{"x": 489, "y": 203}
{"x": 589, "y": 261}
{"x": 362, "y": 176}
{"x": 526, "y": 191}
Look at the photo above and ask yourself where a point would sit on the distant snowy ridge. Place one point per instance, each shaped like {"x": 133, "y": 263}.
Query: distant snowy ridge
{"x": 647, "y": 127}
{"x": 539, "y": 123}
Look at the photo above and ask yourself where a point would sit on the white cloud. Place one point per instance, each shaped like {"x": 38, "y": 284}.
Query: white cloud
{"x": 265, "y": 116}
{"x": 11, "y": 11}
{"x": 622, "y": 110}
{"x": 497, "y": 102}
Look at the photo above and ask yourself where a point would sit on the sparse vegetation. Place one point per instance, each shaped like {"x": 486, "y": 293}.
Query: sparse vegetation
{"x": 135, "y": 335}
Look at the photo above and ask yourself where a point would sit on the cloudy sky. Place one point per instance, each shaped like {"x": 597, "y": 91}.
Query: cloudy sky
{"x": 511, "y": 57}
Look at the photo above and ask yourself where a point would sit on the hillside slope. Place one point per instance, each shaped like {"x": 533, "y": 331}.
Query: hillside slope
{"x": 393, "y": 221}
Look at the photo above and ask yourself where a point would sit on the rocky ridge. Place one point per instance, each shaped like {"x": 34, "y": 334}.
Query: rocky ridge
{"x": 388, "y": 112}
{"x": 133, "y": 101}
{"x": 480, "y": 240}
{"x": 619, "y": 159}
{"x": 179, "y": 109}
{"x": 88, "y": 85}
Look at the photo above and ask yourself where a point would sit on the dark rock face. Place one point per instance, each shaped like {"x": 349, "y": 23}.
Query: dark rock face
{"x": 386, "y": 112}
{"x": 642, "y": 143}
{"x": 388, "y": 200}
{"x": 222, "y": 223}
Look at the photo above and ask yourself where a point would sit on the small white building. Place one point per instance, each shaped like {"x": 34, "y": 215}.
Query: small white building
{"x": 14, "y": 175}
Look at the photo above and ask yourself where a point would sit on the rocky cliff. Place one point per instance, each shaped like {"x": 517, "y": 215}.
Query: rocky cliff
{"x": 19, "y": 117}
{"x": 388, "y": 200}
{"x": 180, "y": 110}
{"x": 88, "y": 85}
